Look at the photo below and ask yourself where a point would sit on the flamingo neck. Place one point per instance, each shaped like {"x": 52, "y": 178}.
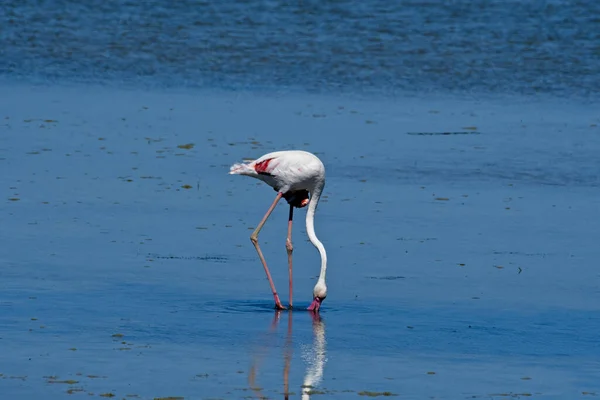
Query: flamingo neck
{"x": 310, "y": 228}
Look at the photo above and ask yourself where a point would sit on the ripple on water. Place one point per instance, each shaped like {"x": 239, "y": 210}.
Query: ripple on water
{"x": 376, "y": 46}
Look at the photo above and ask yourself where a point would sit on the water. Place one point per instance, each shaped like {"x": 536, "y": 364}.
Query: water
{"x": 460, "y": 220}
{"x": 377, "y": 47}
{"x": 460, "y": 265}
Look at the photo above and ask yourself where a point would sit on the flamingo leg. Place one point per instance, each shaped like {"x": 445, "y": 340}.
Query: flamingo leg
{"x": 290, "y": 248}
{"x": 254, "y": 239}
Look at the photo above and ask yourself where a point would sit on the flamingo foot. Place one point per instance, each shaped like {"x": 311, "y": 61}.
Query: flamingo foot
{"x": 278, "y": 305}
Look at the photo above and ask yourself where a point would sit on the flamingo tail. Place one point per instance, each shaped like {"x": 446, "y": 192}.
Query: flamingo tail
{"x": 242, "y": 169}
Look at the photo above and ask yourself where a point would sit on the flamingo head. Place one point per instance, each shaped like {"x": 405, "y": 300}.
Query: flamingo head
{"x": 319, "y": 294}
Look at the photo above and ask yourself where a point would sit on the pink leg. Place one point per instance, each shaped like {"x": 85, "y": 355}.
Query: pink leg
{"x": 254, "y": 239}
{"x": 290, "y": 249}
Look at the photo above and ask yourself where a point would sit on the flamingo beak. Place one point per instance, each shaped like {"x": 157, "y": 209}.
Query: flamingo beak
{"x": 315, "y": 305}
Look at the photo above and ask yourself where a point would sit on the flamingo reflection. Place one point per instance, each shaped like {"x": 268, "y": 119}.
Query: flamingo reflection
{"x": 313, "y": 355}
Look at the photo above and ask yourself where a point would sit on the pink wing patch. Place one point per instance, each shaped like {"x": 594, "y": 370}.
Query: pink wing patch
{"x": 263, "y": 166}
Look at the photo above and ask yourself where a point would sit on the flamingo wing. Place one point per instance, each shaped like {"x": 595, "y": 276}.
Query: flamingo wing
{"x": 262, "y": 167}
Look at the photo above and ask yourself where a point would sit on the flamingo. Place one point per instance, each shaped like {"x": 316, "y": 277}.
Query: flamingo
{"x": 299, "y": 177}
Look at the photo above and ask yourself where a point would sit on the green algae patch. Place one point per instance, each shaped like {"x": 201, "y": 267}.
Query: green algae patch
{"x": 169, "y": 398}
{"x": 376, "y": 394}
{"x": 443, "y": 133}
{"x": 66, "y": 381}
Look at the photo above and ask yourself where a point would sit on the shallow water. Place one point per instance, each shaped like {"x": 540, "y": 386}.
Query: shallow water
{"x": 461, "y": 265}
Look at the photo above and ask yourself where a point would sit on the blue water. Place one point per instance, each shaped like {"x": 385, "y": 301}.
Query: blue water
{"x": 460, "y": 212}
{"x": 460, "y": 265}
{"x": 376, "y": 47}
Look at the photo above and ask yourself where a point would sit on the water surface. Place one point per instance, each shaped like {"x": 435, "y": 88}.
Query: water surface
{"x": 376, "y": 47}
{"x": 461, "y": 266}
{"x": 460, "y": 213}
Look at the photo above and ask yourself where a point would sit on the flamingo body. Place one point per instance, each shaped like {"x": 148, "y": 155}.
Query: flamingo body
{"x": 299, "y": 177}
{"x": 285, "y": 171}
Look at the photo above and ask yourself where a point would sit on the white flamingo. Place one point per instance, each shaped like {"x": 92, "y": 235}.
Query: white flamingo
{"x": 299, "y": 177}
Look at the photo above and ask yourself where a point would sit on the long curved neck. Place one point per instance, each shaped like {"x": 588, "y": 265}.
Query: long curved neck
{"x": 310, "y": 228}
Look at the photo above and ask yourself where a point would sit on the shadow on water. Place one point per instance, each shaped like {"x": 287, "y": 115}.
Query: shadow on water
{"x": 241, "y": 306}
{"x": 313, "y": 355}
